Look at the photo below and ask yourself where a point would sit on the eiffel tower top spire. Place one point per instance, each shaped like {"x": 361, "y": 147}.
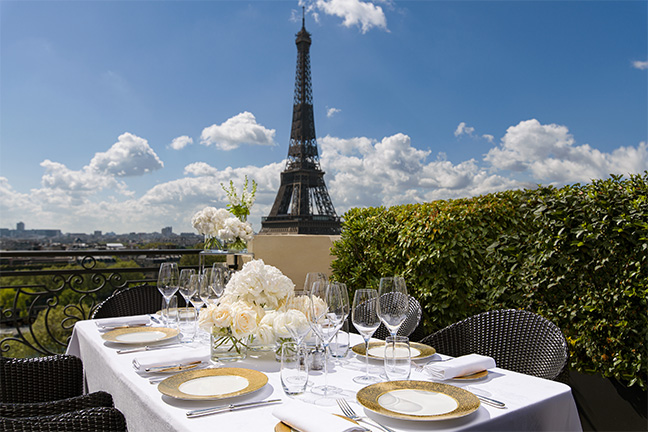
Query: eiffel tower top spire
{"x": 302, "y": 205}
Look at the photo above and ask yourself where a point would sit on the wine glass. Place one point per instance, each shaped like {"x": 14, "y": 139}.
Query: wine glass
{"x": 366, "y": 321}
{"x": 210, "y": 291}
{"x": 184, "y": 287}
{"x": 298, "y": 330}
{"x": 312, "y": 278}
{"x": 196, "y": 300}
{"x": 329, "y": 308}
{"x": 392, "y": 303}
{"x": 167, "y": 282}
{"x": 220, "y": 276}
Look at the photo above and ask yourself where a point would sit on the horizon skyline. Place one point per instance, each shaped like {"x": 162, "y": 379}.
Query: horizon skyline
{"x": 122, "y": 116}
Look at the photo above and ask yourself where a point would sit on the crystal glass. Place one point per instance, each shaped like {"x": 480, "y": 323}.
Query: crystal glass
{"x": 366, "y": 321}
{"x": 392, "y": 303}
{"x": 184, "y": 287}
{"x": 329, "y": 308}
{"x": 294, "y": 369}
{"x": 312, "y": 278}
{"x": 167, "y": 282}
{"x": 210, "y": 289}
{"x": 195, "y": 299}
{"x": 398, "y": 358}
{"x": 300, "y": 301}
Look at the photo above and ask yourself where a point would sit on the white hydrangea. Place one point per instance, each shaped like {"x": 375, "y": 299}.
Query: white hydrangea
{"x": 222, "y": 224}
{"x": 260, "y": 284}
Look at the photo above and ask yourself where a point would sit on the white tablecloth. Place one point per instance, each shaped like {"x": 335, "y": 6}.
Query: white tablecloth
{"x": 533, "y": 404}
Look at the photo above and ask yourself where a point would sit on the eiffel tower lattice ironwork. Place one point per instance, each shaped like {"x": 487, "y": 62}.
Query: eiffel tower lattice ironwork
{"x": 303, "y": 204}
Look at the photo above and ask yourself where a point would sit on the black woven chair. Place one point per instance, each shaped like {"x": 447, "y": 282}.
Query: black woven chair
{"x": 407, "y": 327}
{"x": 518, "y": 340}
{"x": 46, "y": 394}
{"x": 138, "y": 300}
{"x": 98, "y": 419}
{"x": 40, "y": 379}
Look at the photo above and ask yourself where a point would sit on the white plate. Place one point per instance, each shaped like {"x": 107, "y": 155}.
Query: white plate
{"x": 213, "y": 384}
{"x": 140, "y": 335}
{"x": 376, "y": 350}
{"x": 418, "y": 400}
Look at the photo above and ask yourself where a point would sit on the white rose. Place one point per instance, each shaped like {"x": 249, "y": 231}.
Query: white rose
{"x": 244, "y": 320}
{"x": 293, "y": 320}
{"x": 265, "y": 334}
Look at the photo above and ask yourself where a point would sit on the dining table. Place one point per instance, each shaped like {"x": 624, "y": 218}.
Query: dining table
{"x": 531, "y": 403}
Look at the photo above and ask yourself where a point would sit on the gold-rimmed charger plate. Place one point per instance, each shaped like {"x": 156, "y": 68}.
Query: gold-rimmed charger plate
{"x": 418, "y": 400}
{"x": 212, "y": 384}
{"x": 418, "y": 351}
{"x": 473, "y": 376}
{"x": 140, "y": 335}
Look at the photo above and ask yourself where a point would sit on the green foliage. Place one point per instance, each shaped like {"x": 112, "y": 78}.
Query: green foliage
{"x": 577, "y": 255}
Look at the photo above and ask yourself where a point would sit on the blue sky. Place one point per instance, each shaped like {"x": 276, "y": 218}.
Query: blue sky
{"x": 126, "y": 116}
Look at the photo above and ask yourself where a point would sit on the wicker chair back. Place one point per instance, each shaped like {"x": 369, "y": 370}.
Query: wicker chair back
{"x": 518, "y": 340}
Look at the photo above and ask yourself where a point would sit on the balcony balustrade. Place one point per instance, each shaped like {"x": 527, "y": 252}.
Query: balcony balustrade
{"x": 44, "y": 293}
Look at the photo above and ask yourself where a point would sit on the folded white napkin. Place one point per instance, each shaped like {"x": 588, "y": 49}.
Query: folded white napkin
{"x": 308, "y": 418}
{"x": 128, "y": 320}
{"x": 170, "y": 358}
{"x": 460, "y": 366}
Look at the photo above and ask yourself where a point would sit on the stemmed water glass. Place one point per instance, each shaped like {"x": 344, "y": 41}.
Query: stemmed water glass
{"x": 392, "y": 303}
{"x": 329, "y": 308}
{"x": 297, "y": 329}
{"x": 312, "y": 278}
{"x": 196, "y": 300}
{"x": 366, "y": 321}
{"x": 167, "y": 282}
{"x": 211, "y": 286}
{"x": 184, "y": 287}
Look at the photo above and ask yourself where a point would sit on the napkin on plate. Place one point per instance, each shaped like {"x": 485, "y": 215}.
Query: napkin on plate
{"x": 122, "y": 321}
{"x": 460, "y": 366}
{"x": 156, "y": 359}
{"x": 308, "y": 418}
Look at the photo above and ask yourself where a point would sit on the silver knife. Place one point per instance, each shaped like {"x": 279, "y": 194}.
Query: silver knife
{"x": 146, "y": 348}
{"x": 491, "y": 402}
{"x": 231, "y": 407}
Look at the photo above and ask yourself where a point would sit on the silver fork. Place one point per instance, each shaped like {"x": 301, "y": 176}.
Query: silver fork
{"x": 348, "y": 411}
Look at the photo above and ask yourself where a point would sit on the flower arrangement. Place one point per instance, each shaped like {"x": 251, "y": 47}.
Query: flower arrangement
{"x": 240, "y": 313}
{"x": 240, "y": 206}
{"x": 220, "y": 226}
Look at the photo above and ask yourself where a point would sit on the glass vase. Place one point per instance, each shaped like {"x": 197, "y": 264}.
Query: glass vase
{"x": 280, "y": 343}
{"x": 225, "y": 347}
{"x": 237, "y": 245}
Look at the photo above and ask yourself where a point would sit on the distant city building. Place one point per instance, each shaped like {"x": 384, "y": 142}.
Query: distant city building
{"x": 20, "y": 226}
{"x": 167, "y": 231}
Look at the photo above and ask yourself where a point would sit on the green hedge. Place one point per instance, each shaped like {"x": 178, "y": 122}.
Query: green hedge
{"x": 577, "y": 255}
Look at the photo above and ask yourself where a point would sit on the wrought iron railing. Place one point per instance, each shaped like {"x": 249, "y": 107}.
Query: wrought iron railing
{"x": 43, "y": 293}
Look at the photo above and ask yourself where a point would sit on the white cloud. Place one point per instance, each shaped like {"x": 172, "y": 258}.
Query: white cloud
{"x": 129, "y": 156}
{"x": 332, "y": 111}
{"x": 548, "y": 153}
{"x": 360, "y": 171}
{"x": 462, "y": 129}
{"x": 364, "y": 172}
{"x": 236, "y": 131}
{"x": 181, "y": 142}
{"x": 641, "y": 65}
{"x": 365, "y": 15}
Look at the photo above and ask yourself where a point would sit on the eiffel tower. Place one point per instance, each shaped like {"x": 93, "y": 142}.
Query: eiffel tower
{"x": 302, "y": 205}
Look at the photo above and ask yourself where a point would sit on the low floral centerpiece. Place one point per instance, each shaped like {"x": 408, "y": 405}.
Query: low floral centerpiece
{"x": 221, "y": 229}
{"x": 256, "y": 291}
